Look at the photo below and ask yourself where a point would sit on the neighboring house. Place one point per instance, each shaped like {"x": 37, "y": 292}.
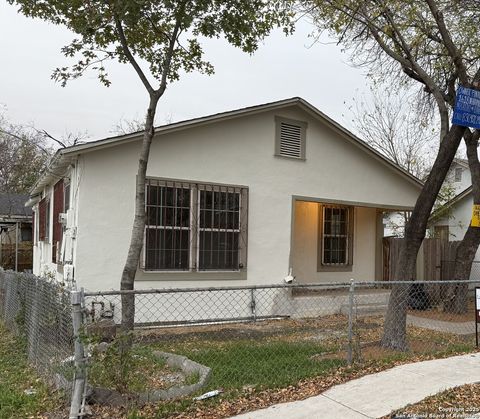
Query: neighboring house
{"x": 457, "y": 180}
{"x": 458, "y": 177}
{"x": 15, "y": 232}
{"x": 450, "y": 221}
{"x": 236, "y": 198}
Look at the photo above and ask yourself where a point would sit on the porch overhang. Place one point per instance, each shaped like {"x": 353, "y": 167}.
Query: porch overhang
{"x": 385, "y": 207}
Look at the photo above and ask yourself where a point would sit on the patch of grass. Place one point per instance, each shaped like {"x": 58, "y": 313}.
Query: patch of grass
{"x": 192, "y": 378}
{"x": 260, "y": 364}
{"x": 16, "y": 376}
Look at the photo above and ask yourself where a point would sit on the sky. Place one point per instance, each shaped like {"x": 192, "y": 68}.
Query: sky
{"x": 283, "y": 67}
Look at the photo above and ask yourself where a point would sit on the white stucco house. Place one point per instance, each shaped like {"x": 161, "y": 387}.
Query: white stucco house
{"x": 456, "y": 181}
{"x": 236, "y": 198}
{"x": 451, "y": 221}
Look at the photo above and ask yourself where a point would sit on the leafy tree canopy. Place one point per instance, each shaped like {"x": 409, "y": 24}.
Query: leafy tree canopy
{"x": 164, "y": 34}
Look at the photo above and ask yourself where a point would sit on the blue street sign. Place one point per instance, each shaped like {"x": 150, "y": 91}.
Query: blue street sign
{"x": 467, "y": 108}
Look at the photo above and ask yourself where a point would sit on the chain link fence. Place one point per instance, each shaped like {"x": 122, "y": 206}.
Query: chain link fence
{"x": 447, "y": 268}
{"x": 268, "y": 337}
{"x": 191, "y": 341}
{"x": 38, "y": 311}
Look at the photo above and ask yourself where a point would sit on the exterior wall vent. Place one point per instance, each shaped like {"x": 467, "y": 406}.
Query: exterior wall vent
{"x": 290, "y": 138}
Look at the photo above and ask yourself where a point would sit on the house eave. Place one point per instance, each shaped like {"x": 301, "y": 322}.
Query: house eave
{"x": 440, "y": 212}
{"x": 54, "y": 172}
{"x": 383, "y": 207}
{"x": 63, "y": 156}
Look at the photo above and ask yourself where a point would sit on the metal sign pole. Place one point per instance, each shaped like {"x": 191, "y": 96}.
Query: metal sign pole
{"x": 16, "y": 246}
{"x": 477, "y": 314}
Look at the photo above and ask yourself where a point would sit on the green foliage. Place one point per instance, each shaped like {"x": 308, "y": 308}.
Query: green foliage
{"x": 16, "y": 377}
{"x": 123, "y": 367}
{"x": 166, "y": 35}
{"x": 262, "y": 364}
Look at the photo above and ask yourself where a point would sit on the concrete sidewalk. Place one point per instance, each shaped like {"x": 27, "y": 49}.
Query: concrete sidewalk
{"x": 456, "y": 328}
{"x": 377, "y": 395}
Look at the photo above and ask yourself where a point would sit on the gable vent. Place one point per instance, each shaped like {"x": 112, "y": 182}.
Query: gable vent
{"x": 290, "y": 140}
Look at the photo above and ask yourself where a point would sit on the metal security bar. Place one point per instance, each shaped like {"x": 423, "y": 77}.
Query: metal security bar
{"x": 195, "y": 227}
{"x": 168, "y": 228}
{"x": 335, "y": 235}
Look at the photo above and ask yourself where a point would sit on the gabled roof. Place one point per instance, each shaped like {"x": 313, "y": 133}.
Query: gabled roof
{"x": 461, "y": 162}
{"x": 63, "y": 155}
{"x": 440, "y": 212}
{"x": 12, "y": 206}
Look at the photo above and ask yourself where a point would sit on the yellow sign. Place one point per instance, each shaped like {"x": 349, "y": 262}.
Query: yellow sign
{"x": 475, "y": 216}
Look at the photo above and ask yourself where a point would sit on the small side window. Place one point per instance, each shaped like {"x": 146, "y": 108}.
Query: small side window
{"x": 458, "y": 174}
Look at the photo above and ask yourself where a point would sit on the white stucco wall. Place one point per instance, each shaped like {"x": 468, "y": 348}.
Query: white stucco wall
{"x": 463, "y": 183}
{"x": 305, "y": 246}
{"x": 458, "y": 220}
{"x": 240, "y": 152}
{"x": 42, "y": 250}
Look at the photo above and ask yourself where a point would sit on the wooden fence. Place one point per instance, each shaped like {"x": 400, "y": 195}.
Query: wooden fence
{"x": 431, "y": 255}
{"x": 24, "y": 257}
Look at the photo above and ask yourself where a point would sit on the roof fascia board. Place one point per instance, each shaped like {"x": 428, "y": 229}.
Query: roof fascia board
{"x": 386, "y": 207}
{"x": 361, "y": 144}
{"x": 52, "y": 173}
{"x": 179, "y": 126}
{"x": 109, "y": 142}
{"x": 439, "y": 212}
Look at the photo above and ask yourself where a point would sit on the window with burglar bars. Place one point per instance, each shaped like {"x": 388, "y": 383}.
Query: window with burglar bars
{"x": 336, "y": 236}
{"x": 194, "y": 227}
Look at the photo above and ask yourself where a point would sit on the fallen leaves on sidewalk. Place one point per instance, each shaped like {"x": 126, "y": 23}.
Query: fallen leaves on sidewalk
{"x": 459, "y": 402}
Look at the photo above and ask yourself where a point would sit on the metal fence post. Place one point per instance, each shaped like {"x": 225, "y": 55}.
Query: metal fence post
{"x": 253, "y": 305}
{"x": 77, "y": 299}
{"x": 351, "y": 293}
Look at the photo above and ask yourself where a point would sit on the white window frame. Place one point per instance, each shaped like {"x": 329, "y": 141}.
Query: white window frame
{"x": 458, "y": 174}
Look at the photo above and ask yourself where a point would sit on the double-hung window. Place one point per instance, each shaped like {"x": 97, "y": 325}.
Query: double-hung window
{"x": 168, "y": 228}
{"x": 219, "y": 229}
{"x": 336, "y": 234}
{"x": 195, "y": 227}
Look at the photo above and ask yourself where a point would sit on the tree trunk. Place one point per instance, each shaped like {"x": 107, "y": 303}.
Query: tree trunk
{"x": 394, "y": 331}
{"x": 456, "y": 301}
{"x": 136, "y": 240}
